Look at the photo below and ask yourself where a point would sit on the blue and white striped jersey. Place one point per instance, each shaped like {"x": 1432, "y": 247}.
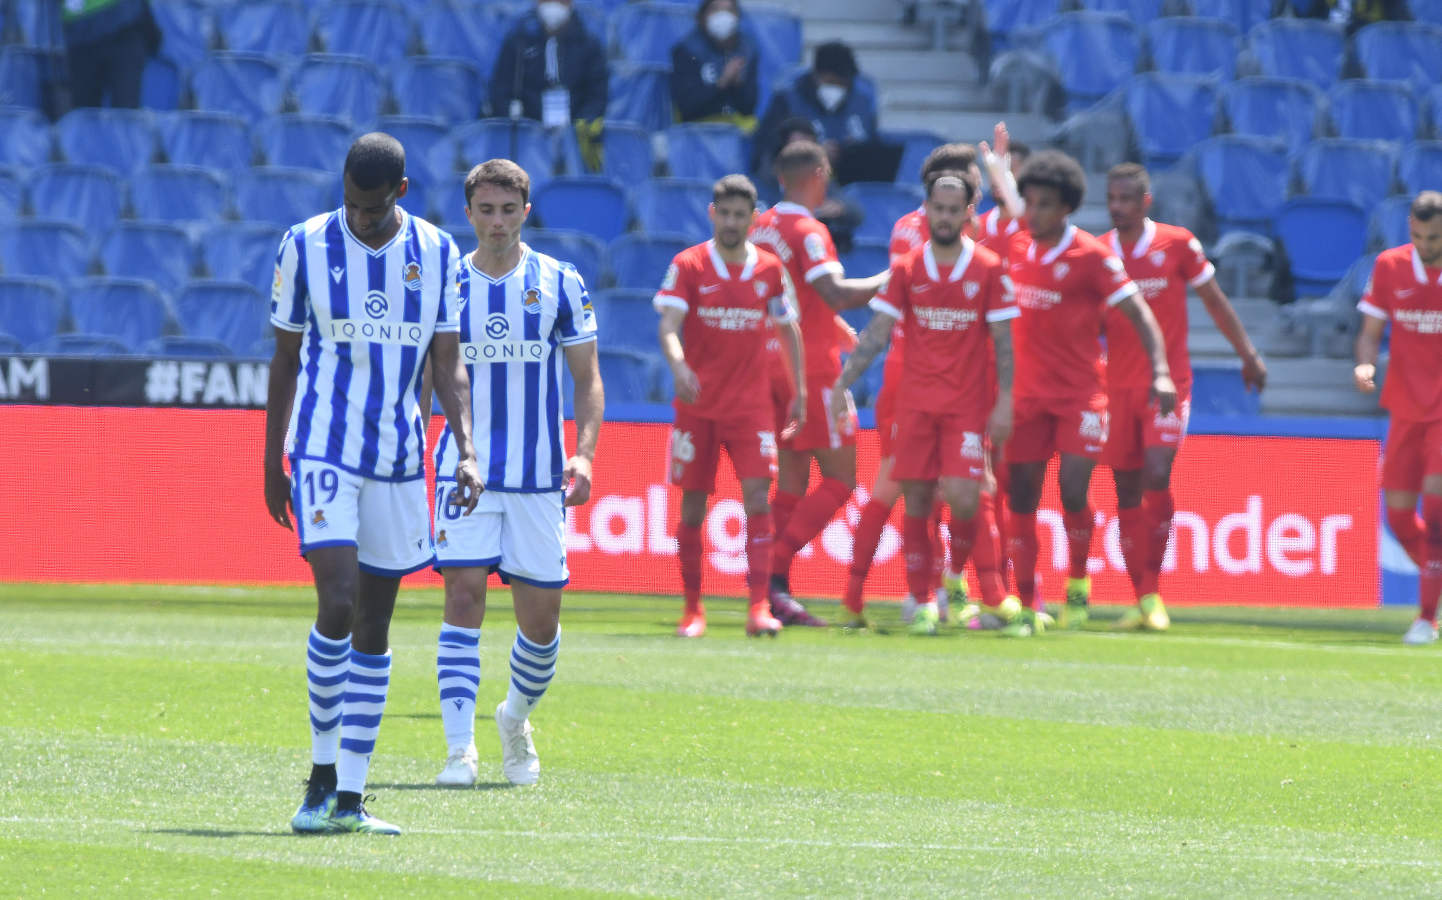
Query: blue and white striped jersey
{"x": 367, "y": 318}
{"x": 511, "y": 329}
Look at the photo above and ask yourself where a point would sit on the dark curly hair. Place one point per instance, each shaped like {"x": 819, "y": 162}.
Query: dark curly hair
{"x": 1054, "y": 169}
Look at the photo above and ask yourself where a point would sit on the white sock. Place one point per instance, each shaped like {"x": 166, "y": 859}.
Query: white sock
{"x": 532, "y": 666}
{"x": 458, "y": 674}
{"x": 327, "y": 667}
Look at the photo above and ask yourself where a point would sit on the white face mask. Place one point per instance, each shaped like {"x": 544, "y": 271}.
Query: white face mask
{"x": 721, "y": 25}
{"x": 830, "y": 95}
{"x": 553, "y": 15}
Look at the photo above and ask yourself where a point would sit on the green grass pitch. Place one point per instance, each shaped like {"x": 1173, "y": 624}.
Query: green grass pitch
{"x": 154, "y": 743}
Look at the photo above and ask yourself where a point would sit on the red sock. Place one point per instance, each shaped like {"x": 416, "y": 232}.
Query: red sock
{"x": 1159, "y": 507}
{"x": 1023, "y": 555}
{"x": 688, "y": 551}
{"x": 758, "y": 556}
{"x": 1406, "y": 526}
{"x": 1003, "y": 557}
{"x": 1079, "y": 526}
{"x": 811, "y": 515}
{"x": 1430, "y": 583}
{"x": 1132, "y": 523}
{"x": 986, "y": 553}
{"x": 917, "y": 543}
{"x": 782, "y": 506}
{"x": 863, "y": 550}
{"x": 938, "y": 549}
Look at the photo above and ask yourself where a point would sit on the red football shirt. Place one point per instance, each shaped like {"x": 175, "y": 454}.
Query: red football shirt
{"x": 1409, "y": 295}
{"x": 947, "y": 312}
{"x": 1165, "y": 261}
{"x": 910, "y": 231}
{"x": 1064, "y": 292}
{"x": 805, "y": 248}
{"x": 725, "y": 330}
{"x": 994, "y": 231}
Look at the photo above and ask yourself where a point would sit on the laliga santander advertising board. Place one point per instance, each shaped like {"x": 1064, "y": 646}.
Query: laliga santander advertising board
{"x": 95, "y": 494}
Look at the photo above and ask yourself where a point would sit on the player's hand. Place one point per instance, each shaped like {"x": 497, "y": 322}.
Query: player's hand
{"x": 1365, "y": 374}
{"x": 795, "y": 418}
{"x": 1254, "y": 372}
{"x": 845, "y": 334}
{"x": 839, "y": 407}
{"x": 1164, "y": 392}
{"x": 277, "y": 494}
{"x": 998, "y": 426}
{"x": 469, "y": 487}
{"x": 688, "y": 386}
{"x": 577, "y": 477}
{"x": 1001, "y": 139}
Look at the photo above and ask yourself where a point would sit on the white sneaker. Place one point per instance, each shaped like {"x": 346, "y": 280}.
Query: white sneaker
{"x": 1421, "y": 632}
{"x": 943, "y": 605}
{"x": 908, "y": 609}
{"x": 460, "y": 770}
{"x": 519, "y": 761}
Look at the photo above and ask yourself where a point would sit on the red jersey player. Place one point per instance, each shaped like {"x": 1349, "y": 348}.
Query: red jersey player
{"x": 1406, "y": 290}
{"x": 997, "y": 225}
{"x": 956, "y": 302}
{"x": 1065, "y": 282}
{"x": 804, "y": 245}
{"x": 1162, "y": 261}
{"x": 714, "y": 304}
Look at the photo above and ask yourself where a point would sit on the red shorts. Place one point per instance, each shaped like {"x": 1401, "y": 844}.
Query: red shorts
{"x": 696, "y": 444}
{"x": 939, "y": 445}
{"x": 885, "y": 408}
{"x": 1136, "y": 424}
{"x": 782, "y": 392}
{"x": 820, "y": 432}
{"x": 1041, "y": 427}
{"x": 1412, "y": 452}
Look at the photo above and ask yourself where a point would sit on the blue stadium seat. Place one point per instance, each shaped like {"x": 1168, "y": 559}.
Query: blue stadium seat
{"x": 626, "y": 153}
{"x": 463, "y": 31}
{"x": 373, "y": 29}
{"x": 417, "y": 200}
{"x": 1281, "y": 108}
{"x": 1400, "y": 51}
{"x": 347, "y": 86}
{"x": 673, "y": 205}
{"x": 248, "y": 85}
{"x": 1433, "y": 101}
{"x": 83, "y": 344}
{"x": 639, "y": 261}
{"x": 1218, "y": 390}
{"x": 777, "y": 35}
{"x": 89, "y": 196}
{"x": 157, "y": 251}
{"x": 867, "y": 257}
{"x": 1374, "y": 110}
{"x": 1241, "y": 13}
{"x": 704, "y": 150}
{"x": 179, "y": 194}
{"x": 594, "y": 204}
{"x": 285, "y": 197}
{"x": 1094, "y": 53}
{"x": 646, "y": 32}
{"x": 24, "y": 137}
{"x": 639, "y": 94}
{"x": 10, "y": 345}
{"x": 24, "y": 72}
{"x": 1389, "y": 225}
{"x": 1006, "y": 17}
{"x": 233, "y": 313}
{"x": 122, "y": 140}
{"x": 51, "y": 249}
{"x": 1245, "y": 179}
{"x": 304, "y": 141}
{"x": 180, "y": 346}
{"x": 915, "y": 147}
{"x": 273, "y": 27}
{"x": 584, "y": 251}
{"x": 130, "y": 310}
{"x": 1170, "y": 113}
{"x": 1420, "y": 166}
{"x": 627, "y": 319}
{"x": 1191, "y": 46}
{"x": 1322, "y": 239}
{"x": 217, "y": 140}
{"x": 883, "y": 203}
{"x": 12, "y": 194}
{"x": 1429, "y": 11}
{"x": 160, "y": 85}
{"x": 242, "y": 251}
{"x": 1141, "y": 12}
{"x": 630, "y": 377}
{"x": 493, "y": 138}
{"x": 30, "y": 309}
{"x": 430, "y": 152}
{"x": 1298, "y": 48}
{"x": 448, "y": 89}
{"x": 1360, "y": 172}
{"x": 187, "y": 29}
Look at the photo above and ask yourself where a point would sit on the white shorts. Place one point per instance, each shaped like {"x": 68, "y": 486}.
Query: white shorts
{"x": 386, "y": 521}
{"x": 520, "y": 535}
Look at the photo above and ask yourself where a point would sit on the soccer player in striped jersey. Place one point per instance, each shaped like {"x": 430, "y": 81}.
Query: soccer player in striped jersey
{"x": 364, "y": 297}
{"x": 521, "y": 314}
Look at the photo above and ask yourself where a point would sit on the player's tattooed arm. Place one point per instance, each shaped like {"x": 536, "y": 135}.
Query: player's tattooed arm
{"x": 874, "y": 339}
{"x": 848, "y": 293}
{"x": 999, "y": 425}
{"x": 1150, "y": 333}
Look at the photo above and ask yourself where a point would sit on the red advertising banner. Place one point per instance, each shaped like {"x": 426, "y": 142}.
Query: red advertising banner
{"x": 94, "y": 494}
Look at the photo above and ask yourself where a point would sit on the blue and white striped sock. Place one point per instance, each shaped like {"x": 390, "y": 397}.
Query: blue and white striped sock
{"x": 365, "y": 702}
{"x": 458, "y": 674}
{"x": 327, "y": 667}
{"x": 532, "y": 666}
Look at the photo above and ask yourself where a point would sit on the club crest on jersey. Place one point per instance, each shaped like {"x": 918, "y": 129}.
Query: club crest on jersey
{"x": 497, "y": 327}
{"x": 411, "y": 276}
{"x": 532, "y": 304}
{"x": 317, "y": 519}
{"x": 970, "y": 288}
{"x": 441, "y": 539}
{"x": 376, "y": 304}
{"x": 1157, "y": 257}
{"x": 1059, "y": 270}
{"x": 760, "y": 288}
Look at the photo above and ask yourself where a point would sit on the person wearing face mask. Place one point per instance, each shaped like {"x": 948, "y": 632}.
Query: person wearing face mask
{"x": 714, "y": 69}
{"x": 840, "y": 103}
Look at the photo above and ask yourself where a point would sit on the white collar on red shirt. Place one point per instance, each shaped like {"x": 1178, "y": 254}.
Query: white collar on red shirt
{"x": 1061, "y": 247}
{"x": 787, "y": 208}
{"x": 932, "y": 272}
{"x": 723, "y": 271}
{"x": 1420, "y": 270}
{"x": 992, "y": 217}
{"x": 1144, "y": 243}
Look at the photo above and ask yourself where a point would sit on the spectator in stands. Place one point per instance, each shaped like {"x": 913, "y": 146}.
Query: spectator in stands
{"x": 107, "y": 43}
{"x": 714, "y": 69}
{"x": 841, "y": 107}
{"x": 1353, "y": 14}
{"x": 838, "y": 214}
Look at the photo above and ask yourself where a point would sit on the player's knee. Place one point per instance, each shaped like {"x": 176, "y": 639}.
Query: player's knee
{"x": 756, "y": 504}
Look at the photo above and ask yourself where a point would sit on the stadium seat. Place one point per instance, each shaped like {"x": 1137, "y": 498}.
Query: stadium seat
{"x": 915, "y": 147}
{"x": 674, "y": 205}
{"x": 232, "y": 313}
{"x": 24, "y": 137}
{"x": 180, "y": 346}
{"x": 626, "y": 153}
{"x": 160, "y": 85}
{"x": 89, "y": 196}
{"x": 1006, "y": 17}
{"x": 122, "y": 140}
{"x": 304, "y": 141}
{"x": 48, "y": 248}
{"x": 1419, "y": 168}
{"x": 187, "y": 29}
{"x": 248, "y": 85}
{"x": 448, "y": 89}
{"x": 1241, "y": 13}
{"x": 82, "y": 344}
{"x": 627, "y": 319}
{"x": 645, "y": 32}
{"x": 594, "y": 204}
{"x": 217, "y": 140}
{"x": 285, "y": 197}
{"x": 1322, "y": 239}
{"x": 704, "y": 150}
{"x": 130, "y": 310}
{"x": 10, "y": 345}
{"x": 1246, "y": 264}
{"x": 639, "y": 94}
{"x": 1245, "y": 179}
{"x": 882, "y": 203}
{"x": 30, "y": 309}
{"x": 582, "y": 250}
{"x": 1341, "y": 169}
{"x": 1374, "y": 110}
{"x": 417, "y": 200}
{"x": 522, "y": 140}
{"x": 459, "y": 30}
{"x": 374, "y": 30}
{"x": 430, "y": 152}
{"x": 638, "y": 262}
{"x": 24, "y": 72}
{"x": 276, "y": 28}
{"x": 1389, "y": 224}
{"x": 867, "y": 257}
{"x": 1281, "y": 108}
{"x": 630, "y": 376}
{"x": 1429, "y": 11}
{"x": 350, "y": 87}
{"x": 157, "y": 251}
{"x": 1298, "y": 48}
{"x": 1094, "y": 53}
{"x": 777, "y": 35}
{"x": 1170, "y": 114}
{"x": 1400, "y": 51}
{"x": 1187, "y": 45}
{"x": 1141, "y": 12}
{"x": 12, "y": 194}
{"x": 179, "y": 194}
{"x": 242, "y": 251}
